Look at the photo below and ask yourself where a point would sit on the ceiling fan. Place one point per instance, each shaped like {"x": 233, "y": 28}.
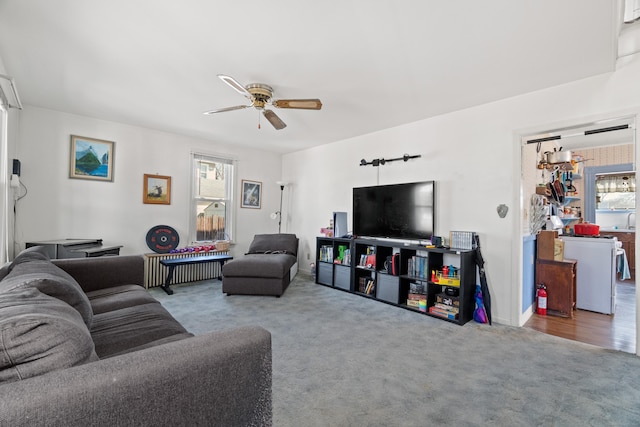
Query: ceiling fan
{"x": 261, "y": 95}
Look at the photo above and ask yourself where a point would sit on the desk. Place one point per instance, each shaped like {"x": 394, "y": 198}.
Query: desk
{"x": 75, "y": 248}
{"x": 173, "y": 263}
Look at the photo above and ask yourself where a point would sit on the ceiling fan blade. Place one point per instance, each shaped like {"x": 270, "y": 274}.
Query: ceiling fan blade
{"x": 305, "y": 104}
{"x": 274, "y": 119}
{"x": 235, "y": 85}
{"x": 222, "y": 110}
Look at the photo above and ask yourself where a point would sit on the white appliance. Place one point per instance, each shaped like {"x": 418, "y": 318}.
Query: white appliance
{"x": 596, "y": 271}
{"x": 555, "y": 223}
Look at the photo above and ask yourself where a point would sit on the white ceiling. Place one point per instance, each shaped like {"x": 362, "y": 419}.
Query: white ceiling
{"x": 374, "y": 64}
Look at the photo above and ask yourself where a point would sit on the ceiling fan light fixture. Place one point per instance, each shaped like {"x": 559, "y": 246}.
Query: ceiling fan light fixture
{"x": 261, "y": 96}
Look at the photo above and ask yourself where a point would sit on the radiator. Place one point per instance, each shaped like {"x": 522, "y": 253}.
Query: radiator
{"x": 155, "y": 273}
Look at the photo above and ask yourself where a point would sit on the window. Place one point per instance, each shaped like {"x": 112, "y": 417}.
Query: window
{"x": 631, "y": 11}
{"x": 212, "y": 207}
{"x": 616, "y": 191}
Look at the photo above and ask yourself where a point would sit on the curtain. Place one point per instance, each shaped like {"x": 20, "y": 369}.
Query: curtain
{"x": 4, "y": 187}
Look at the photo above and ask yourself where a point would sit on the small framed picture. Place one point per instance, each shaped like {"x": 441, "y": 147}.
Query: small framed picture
{"x": 251, "y": 194}
{"x": 91, "y": 159}
{"x": 157, "y": 189}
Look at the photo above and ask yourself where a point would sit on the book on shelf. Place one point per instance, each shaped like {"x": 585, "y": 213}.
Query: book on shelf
{"x": 418, "y": 266}
{"x": 448, "y": 308}
{"x": 413, "y": 303}
{"x": 344, "y": 257}
{"x": 371, "y": 287}
{"x": 326, "y": 253}
{"x": 416, "y": 297}
{"x": 362, "y": 284}
{"x": 443, "y": 313}
{"x": 448, "y": 300}
{"x": 417, "y": 288}
{"x": 367, "y": 260}
{"x": 366, "y": 285}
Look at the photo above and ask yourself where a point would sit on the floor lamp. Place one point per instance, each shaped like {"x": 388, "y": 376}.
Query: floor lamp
{"x": 282, "y": 184}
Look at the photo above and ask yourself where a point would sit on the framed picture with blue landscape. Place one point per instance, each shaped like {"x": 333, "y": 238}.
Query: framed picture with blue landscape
{"x": 91, "y": 158}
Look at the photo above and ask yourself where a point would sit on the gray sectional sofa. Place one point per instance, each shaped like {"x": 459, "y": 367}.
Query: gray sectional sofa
{"x": 83, "y": 344}
{"x": 266, "y": 269}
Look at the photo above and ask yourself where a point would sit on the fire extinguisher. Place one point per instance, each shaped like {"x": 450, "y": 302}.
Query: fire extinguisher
{"x": 542, "y": 300}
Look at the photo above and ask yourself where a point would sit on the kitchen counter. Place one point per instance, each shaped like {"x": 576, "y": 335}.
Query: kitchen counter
{"x": 621, "y": 230}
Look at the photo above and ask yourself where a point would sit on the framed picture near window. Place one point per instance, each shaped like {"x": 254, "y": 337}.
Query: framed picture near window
{"x": 251, "y": 194}
{"x": 157, "y": 189}
{"x": 91, "y": 158}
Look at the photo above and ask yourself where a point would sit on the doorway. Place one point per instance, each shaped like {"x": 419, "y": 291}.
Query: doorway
{"x": 612, "y": 143}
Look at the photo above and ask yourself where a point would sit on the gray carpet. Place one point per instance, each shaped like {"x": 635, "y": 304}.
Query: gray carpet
{"x": 344, "y": 360}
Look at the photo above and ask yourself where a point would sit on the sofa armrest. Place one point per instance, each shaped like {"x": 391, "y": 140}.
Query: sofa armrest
{"x": 220, "y": 378}
{"x": 104, "y": 272}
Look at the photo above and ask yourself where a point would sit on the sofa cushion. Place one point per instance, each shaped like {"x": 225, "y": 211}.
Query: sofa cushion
{"x": 259, "y": 265}
{"x": 119, "y": 331}
{"x": 40, "y": 334}
{"x": 29, "y": 254}
{"x": 274, "y": 243}
{"x": 117, "y": 297}
{"x": 34, "y": 253}
{"x": 4, "y": 270}
{"x": 161, "y": 341}
{"x": 50, "y": 280}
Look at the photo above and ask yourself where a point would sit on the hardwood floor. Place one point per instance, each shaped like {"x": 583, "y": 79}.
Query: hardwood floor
{"x": 616, "y": 332}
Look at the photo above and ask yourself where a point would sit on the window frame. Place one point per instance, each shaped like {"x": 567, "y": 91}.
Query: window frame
{"x": 618, "y": 198}
{"x": 230, "y": 211}
{"x": 589, "y": 193}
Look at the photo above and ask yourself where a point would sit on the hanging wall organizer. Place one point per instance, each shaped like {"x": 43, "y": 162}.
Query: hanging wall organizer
{"x": 378, "y": 162}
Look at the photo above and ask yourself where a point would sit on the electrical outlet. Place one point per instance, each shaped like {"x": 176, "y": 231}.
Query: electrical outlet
{"x": 308, "y": 256}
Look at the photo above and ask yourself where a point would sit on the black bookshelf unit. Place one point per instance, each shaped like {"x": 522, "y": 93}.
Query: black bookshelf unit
{"x": 334, "y": 263}
{"x": 432, "y": 281}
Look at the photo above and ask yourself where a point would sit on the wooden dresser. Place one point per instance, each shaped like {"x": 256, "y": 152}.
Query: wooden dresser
{"x": 560, "y": 279}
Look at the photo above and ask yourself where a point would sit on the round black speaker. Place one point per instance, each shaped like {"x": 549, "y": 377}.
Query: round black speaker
{"x": 162, "y": 239}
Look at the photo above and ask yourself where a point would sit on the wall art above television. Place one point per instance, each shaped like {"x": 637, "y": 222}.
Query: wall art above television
{"x": 400, "y": 211}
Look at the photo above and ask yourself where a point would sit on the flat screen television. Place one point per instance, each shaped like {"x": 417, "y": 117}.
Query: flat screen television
{"x": 401, "y": 211}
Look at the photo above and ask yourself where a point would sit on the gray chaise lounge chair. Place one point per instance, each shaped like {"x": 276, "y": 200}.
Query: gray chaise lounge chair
{"x": 266, "y": 269}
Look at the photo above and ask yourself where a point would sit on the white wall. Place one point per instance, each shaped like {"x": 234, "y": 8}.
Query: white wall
{"x": 474, "y": 155}
{"x": 58, "y": 207}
